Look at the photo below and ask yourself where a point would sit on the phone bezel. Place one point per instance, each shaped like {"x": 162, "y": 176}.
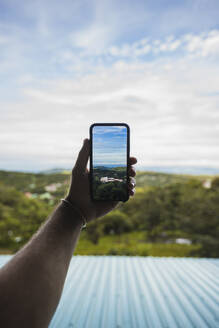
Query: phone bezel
{"x": 91, "y": 159}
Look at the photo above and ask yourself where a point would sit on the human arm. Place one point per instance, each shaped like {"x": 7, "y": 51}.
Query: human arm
{"x": 31, "y": 282}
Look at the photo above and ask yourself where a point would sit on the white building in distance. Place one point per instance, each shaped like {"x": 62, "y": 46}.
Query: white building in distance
{"x": 106, "y": 179}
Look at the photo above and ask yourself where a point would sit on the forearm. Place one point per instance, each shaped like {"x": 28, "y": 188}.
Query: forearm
{"x": 31, "y": 283}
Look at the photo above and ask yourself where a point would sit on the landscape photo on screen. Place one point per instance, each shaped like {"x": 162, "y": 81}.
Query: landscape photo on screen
{"x": 110, "y": 162}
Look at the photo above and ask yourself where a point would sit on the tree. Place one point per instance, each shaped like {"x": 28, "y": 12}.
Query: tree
{"x": 20, "y": 217}
{"x": 93, "y": 232}
{"x": 115, "y": 222}
{"x": 215, "y": 184}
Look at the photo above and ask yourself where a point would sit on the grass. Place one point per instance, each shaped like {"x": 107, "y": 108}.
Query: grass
{"x": 5, "y": 252}
{"x": 132, "y": 244}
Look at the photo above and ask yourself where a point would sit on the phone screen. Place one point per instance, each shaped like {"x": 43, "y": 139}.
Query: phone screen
{"x": 109, "y": 161}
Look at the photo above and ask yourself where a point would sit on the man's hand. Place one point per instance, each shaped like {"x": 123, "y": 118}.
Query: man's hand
{"x": 43, "y": 263}
{"x": 79, "y": 192}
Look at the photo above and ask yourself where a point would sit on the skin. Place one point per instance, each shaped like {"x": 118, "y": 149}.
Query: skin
{"x": 31, "y": 283}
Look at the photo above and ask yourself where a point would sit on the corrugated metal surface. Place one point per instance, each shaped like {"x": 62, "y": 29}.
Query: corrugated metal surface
{"x": 137, "y": 292}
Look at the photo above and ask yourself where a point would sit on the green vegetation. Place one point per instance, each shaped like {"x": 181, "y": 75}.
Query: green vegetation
{"x": 20, "y": 217}
{"x": 109, "y": 183}
{"x": 35, "y": 183}
{"x": 132, "y": 244}
{"x": 167, "y": 210}
{"x": 156, "y": 179}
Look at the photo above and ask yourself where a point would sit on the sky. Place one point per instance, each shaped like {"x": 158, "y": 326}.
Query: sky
{"x": 109, "y": 145}
{"x": 67, "y": 64}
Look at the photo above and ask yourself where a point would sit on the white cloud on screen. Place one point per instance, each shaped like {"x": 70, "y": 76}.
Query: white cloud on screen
{"x": 109, "y": 145}
{"x": 99, "y": 130}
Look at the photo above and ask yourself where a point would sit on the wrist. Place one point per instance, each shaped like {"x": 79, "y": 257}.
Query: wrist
{"x": 69, "y": 218}
{"x": 76, "y": 211}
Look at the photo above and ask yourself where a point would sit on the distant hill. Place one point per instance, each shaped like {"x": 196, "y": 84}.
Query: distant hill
{"x": 144, "y": 179}
{"x": 192, "y": 170}
{"x": 33, "y": 182}
{"x": 36, "y": 182}
{"x": 52, "y": 171}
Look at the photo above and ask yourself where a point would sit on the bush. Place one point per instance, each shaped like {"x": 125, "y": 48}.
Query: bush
{"x": 93, "y": 232}
{"x": 112, "y": 251}
{"x": 115, "y": 223}
{"x": 20, "y": 218}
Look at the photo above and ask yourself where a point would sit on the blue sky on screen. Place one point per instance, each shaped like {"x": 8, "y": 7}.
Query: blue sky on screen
{"x": 67, "y": 64}
{"x": 109, "y": 145}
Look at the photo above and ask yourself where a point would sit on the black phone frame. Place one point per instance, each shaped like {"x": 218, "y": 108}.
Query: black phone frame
{"x": 91, "y": 159}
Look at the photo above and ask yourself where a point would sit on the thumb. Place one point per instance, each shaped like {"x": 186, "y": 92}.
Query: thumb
{"x": 81, "y": 162}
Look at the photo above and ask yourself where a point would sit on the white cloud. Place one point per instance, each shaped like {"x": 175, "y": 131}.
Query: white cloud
{"x": 199, "y": 44}
{"x": 172, "y": 113}
{"x": 205, "y": 45}
{"x": 93, "y": 39}
{"x": 67, "y": 65}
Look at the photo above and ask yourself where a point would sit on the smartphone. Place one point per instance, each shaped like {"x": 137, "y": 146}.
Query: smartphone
{"x": 110, "y": 144}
